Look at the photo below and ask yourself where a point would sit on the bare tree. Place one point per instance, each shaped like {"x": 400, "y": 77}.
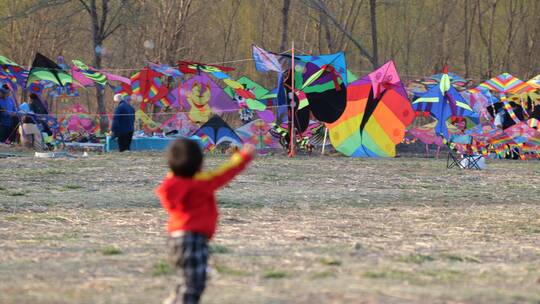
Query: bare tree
{"x": 172, "y": 17}
{"x": 529, "y": 42}
{"x": 323, "y": 21}
{"x": 487, "y": 39}
{"x": 104, "y": 22}
{"x": 285, "y": 24}
{"x": 468, "y": 19}
{"x": 491, "y": 35}
{"x": 373, "y": 22}
{"x": 515, "y": 16}
{"x": 229, "y": 29}
{"x": 321, "y": 6}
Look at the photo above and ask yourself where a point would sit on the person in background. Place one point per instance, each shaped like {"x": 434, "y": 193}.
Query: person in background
{"x": 38, "y": 107}
{"x": 8, "y": 116}
{"x": 123, "y": 122}
{"x": 29, "y": 132}
{"x": 188, "y": 196}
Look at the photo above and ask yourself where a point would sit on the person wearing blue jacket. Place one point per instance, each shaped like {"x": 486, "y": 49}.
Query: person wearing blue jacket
{"x": 8, "y": 116}
{"x": 123, "y": 122}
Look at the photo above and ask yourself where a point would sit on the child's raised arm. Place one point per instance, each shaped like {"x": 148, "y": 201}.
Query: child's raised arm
{"x": 228, "y": 170}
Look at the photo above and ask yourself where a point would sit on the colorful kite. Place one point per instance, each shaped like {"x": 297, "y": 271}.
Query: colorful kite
{"x": 78, "y": 120}
{"x": 335, "y": 64}
{"x": 88, "y": 73}
{"x": 519, "y": 139}
{"x": 443, "y": 102}
{"x": 424, "y": 84}
{"x": 180, "y": 123}
{"x": 250, "y": 97}
{"x": 61, "y": 92}
{"x": 247, "y": 93}
{"x": 201, "y": 96}
{"x": 535, "y": 81}
{"x": 218, "y": 131}
{"x": 266, "y": 61}
{"x": 428, "y": 136}
{"x": 375, "y": 117}
{"x": 45, "y": 69}
{"x": 320, "y": 88}
{"x": 319, "y": 84}
{"x": 257, "y": 133}
{"x": 165, "y": 70}
{"x": 112, "y": 77}
{"x": 191, "y": 67}
{"x": 506, "y": 85}
{"x": 7, "y": 62}
{"x": 522, "y": 133}
{"x": 146, "y": 121}
{"x": 147, "y": 84}
{"x": 12, "y": 73}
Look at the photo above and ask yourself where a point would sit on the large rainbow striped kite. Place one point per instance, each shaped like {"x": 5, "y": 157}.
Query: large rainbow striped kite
{"x": 375, "y": 117}
{"x": 504, "y": 84}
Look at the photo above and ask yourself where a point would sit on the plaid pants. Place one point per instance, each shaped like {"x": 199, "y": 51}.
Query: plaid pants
{"x": 188, "y": 254}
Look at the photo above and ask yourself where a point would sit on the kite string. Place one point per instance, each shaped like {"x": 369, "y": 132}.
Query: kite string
{"x": 153, "y": 114}
{"x": 112, "y": 70}
{"x": 138, "y": 69}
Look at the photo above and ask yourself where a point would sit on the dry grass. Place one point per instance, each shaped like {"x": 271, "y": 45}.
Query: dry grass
{"x": 304, "y": 230}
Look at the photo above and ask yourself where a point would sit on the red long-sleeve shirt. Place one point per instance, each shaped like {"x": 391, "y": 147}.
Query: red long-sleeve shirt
{"x": 191, "y": 202}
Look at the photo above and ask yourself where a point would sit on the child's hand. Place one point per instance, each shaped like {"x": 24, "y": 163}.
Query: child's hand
{"x": 248, "y": 149}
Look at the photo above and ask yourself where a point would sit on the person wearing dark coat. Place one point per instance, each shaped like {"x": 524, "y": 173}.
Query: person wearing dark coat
{"x": 37, "y": 106}
{"x": 8, "y": 116}
{"x": 123, "y": 122}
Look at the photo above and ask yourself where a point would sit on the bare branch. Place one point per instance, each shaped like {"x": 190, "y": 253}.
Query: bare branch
{"x": 42, "y": 4}
{"x": 318, "y": 4}
{"x": 86, "y": 7}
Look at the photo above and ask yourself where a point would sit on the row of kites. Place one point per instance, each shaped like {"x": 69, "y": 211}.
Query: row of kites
{"x": 365, "y": 116}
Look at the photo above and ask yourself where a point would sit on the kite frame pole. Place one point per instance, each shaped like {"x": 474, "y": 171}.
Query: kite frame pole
{"x": 292, "y": 135}
{"x": 324, "y": 140}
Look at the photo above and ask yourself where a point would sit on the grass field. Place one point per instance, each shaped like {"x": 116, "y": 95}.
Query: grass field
{"x": 303, "y": 230}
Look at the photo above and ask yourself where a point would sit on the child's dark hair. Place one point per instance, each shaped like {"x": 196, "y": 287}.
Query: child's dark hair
{"x": 184, "y": 157}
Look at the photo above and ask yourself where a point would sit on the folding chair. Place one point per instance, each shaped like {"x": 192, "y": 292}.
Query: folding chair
{"x": 466, "y": 161}
{"x": 471, "y": 161}
{"x": 453, "y": 161}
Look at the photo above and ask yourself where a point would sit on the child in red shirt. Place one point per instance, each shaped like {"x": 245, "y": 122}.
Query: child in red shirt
{"x": 188, "y": 196}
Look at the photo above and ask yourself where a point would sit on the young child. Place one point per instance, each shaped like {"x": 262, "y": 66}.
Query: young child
{"x": 188, "y": 196}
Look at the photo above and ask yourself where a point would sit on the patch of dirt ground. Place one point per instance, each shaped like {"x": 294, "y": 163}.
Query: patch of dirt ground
{"x": 302, "y": 230}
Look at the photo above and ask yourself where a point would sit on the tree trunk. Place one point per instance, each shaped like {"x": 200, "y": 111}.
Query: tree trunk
{"x": 321, "y": 6}
{"x": 228, "y": 33}
{"x": 285, "y": 24}
{"x": 487, "y": 41}
{"x": 374, "y": 44}
{"x": 490, "y": 39}
{"x": 100, "y": 98}
{"x": 408, "y": 40}
{"x": 98, "y": 37}
{"x": 466, "y": 47}
{"x": 327, "y": 34}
